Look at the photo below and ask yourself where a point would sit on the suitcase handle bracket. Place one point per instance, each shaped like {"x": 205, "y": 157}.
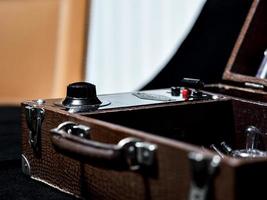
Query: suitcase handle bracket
{"x": 71, "y": 139}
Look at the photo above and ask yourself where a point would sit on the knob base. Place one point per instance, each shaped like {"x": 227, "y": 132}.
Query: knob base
{"x": 70, "y": 102}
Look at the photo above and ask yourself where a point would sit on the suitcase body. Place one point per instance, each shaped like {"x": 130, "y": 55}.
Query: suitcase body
{"x": 172, "y": 130}
{"x": 155, "y": 145}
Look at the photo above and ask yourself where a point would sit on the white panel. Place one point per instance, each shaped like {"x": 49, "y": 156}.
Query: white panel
{"x": 130, "y": 41}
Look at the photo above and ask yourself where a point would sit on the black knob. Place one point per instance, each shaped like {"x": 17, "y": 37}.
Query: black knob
{"x": 175, "y": 91}
{"x": 80, "y": 94}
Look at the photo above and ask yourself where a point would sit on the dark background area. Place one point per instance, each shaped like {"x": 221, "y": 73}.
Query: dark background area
{"x": 207, "y": 48}
{"x": 203, "y": 54}
{"x": 14, "y": 185}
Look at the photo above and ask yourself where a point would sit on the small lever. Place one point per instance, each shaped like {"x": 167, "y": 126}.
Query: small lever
{"x": 252, "y": 137}
{"x": 192, "y": 83}
{"x": 227, "y": 149}
{"x": 262, "y": 72}
{"x": 212, "y": 146}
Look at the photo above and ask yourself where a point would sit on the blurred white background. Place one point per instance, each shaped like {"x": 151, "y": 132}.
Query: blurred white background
{"x": 130, "y": 41}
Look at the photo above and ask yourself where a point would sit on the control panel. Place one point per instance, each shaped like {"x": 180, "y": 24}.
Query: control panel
{"x": 82, "y": 96}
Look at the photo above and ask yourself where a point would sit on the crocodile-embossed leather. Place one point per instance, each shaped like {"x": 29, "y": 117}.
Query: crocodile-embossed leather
{"x": 170, "y": 179}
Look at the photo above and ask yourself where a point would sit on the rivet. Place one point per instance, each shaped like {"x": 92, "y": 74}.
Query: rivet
{"x": 40, "y": 101}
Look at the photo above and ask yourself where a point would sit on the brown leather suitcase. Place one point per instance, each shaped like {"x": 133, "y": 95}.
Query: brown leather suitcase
{"x": 160, "y": 144}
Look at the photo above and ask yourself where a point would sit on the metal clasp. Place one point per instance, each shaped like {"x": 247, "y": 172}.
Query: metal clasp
{"x": 138, "y": 154}
{"x": 73, "y": 129}
{"x": 34, "y": 118}
{"x": 203, "y": 170}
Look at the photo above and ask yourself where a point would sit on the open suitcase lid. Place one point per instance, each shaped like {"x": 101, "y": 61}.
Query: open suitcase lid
{"x": 246, "y": 64}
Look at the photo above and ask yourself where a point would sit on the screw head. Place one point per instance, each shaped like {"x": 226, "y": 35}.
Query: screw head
{"x": 40, "y": 101}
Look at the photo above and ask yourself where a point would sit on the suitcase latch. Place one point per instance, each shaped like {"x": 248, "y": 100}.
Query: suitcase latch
{"x": 138, "y": 154}
{"x": 34, "y": 118}
{"x": 203, "y": 170}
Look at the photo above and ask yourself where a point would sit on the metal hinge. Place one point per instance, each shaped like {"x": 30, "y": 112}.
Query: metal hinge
{"x": 34, "y": 118}
{"x": 254, "y": 85}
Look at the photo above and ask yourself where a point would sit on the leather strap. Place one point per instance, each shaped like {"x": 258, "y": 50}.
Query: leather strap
{"x": 88, "y": 151}
{"x": 71, "y": 139}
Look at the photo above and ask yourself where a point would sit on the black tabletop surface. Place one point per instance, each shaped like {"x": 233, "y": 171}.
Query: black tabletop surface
{"x": 13, "y": 183}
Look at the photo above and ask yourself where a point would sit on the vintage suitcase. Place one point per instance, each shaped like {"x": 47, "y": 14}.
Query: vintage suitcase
{"x": 188, "y": 142}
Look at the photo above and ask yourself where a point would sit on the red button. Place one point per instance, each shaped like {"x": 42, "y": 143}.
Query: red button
{"x": 186, "y": 93}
